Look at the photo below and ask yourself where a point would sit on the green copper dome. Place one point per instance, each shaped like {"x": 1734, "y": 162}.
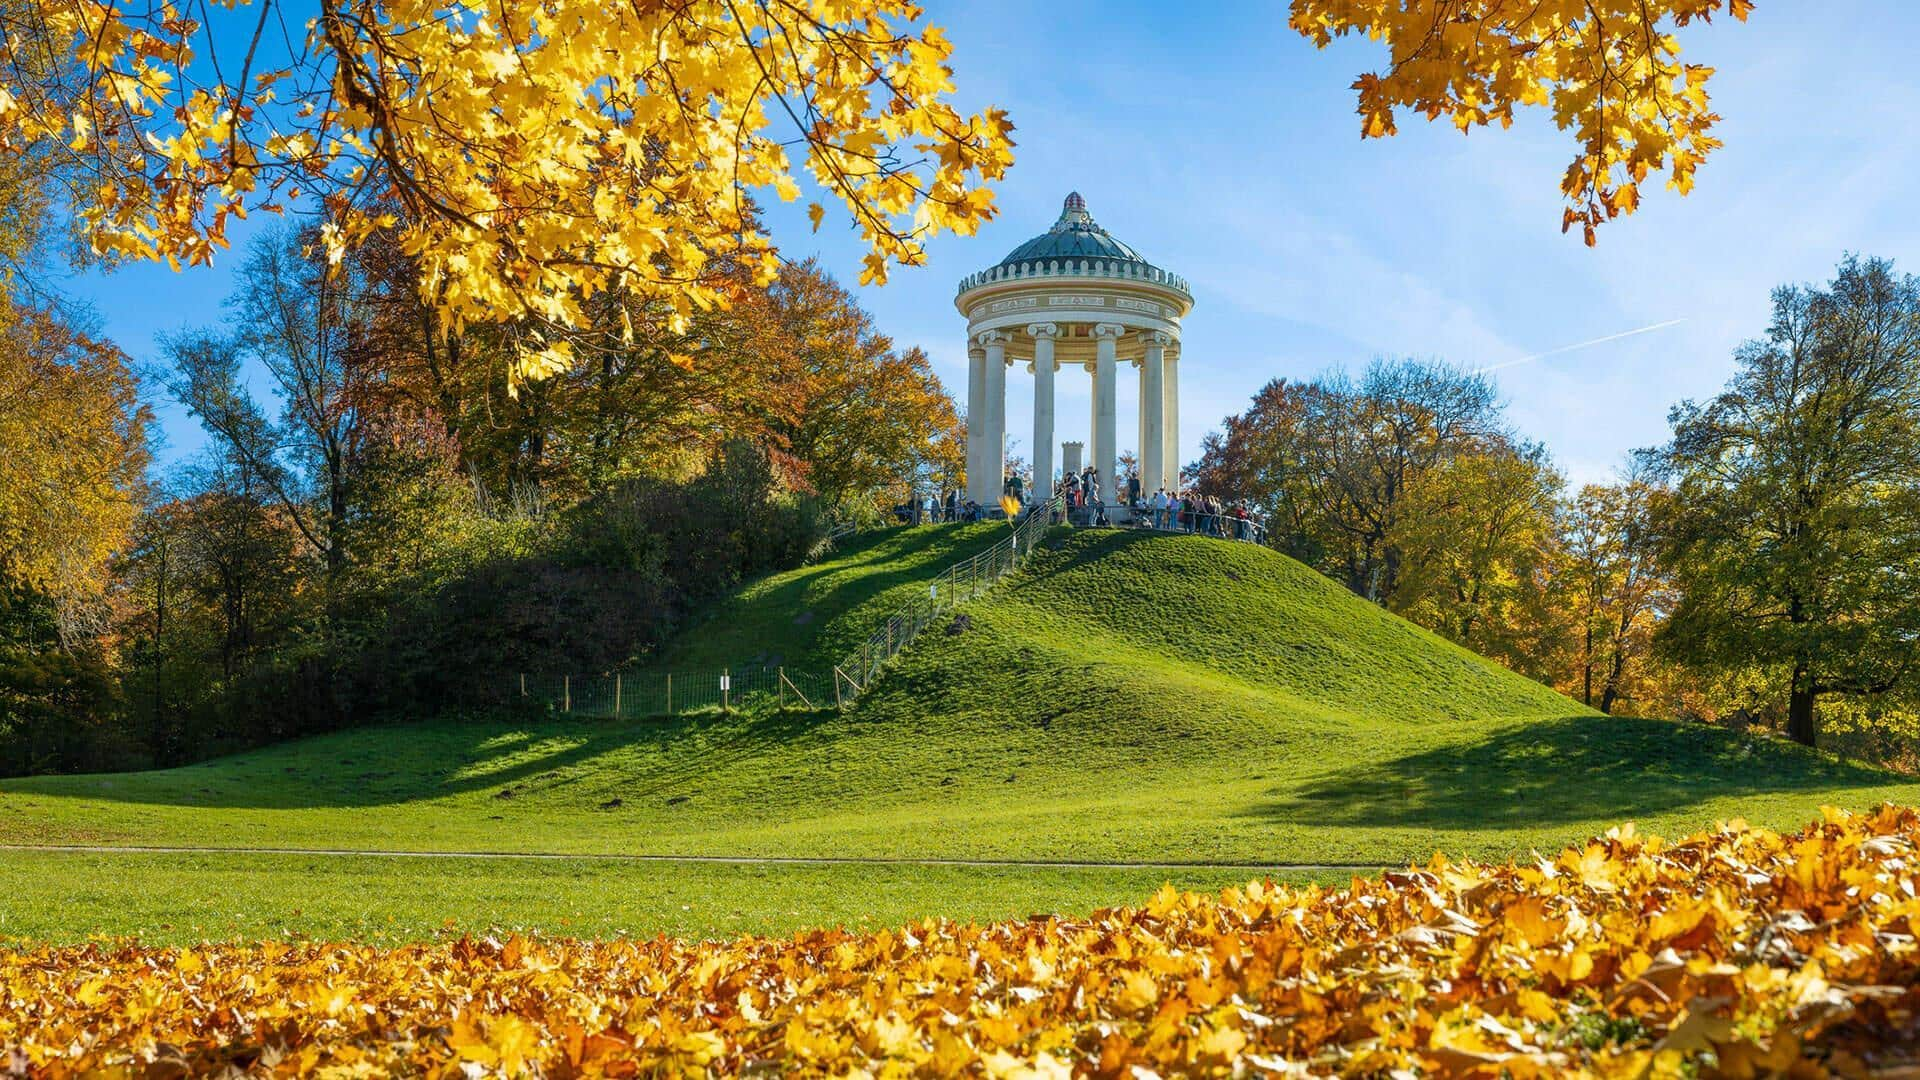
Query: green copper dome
{"x": 1075, "y": 247}
{"x": 1074, "y": 236}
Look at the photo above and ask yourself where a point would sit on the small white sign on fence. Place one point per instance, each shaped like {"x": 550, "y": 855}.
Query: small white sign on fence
{"x": 726, "y": 682}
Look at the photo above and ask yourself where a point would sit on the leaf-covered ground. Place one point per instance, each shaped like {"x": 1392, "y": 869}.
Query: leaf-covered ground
{"x": 1737, "y": 952}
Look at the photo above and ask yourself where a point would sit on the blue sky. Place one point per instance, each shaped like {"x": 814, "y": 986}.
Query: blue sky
{"x": 1225, "y": 148}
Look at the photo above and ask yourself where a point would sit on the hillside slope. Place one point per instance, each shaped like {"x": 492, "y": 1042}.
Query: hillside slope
{"x": 1127, "y": 697}
{"x": 808, "y": 619}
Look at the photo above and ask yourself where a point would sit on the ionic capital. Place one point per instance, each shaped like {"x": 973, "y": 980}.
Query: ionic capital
{"x": 994, "y": 337}
{"x": 1108, "y": 329}
{"x": 1160, "y": 338}
{"x": 1043, "y": 329}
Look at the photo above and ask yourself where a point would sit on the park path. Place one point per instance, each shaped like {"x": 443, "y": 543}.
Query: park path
{"x": 735, "y": 860}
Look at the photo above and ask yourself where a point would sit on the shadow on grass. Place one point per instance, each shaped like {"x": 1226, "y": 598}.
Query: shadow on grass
{"x": 384, "y": 766}
{"x": 760, "y": 629}
{"x": 1569, "y": 770}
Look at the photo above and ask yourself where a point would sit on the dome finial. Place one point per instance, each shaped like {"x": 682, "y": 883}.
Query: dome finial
{"x": 1073, "y": 214}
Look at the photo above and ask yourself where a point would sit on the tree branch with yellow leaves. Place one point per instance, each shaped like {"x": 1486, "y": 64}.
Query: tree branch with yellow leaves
{"x": 539, "y": 151}
{"x": 1608, "y": 69}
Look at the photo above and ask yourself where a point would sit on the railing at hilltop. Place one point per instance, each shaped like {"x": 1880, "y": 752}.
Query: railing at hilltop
{"x": 644, "y": 695}
{"x": 1219, "y": 526}
{"x": 1089, "y": 267}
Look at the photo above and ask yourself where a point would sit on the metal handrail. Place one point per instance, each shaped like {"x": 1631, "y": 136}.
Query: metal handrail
{"x": 965, "y": 580}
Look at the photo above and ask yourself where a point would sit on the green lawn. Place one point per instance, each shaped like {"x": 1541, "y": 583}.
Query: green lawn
{"x": 1128, "y": 697}
{"x": 164, "y": 898}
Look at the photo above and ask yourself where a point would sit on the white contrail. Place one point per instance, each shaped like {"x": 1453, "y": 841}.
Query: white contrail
{"x": 1578, "y": 345}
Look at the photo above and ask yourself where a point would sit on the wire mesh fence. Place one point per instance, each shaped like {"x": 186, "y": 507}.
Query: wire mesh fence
{"x": 641, "y": 695}
{"x": 631, "y": 695}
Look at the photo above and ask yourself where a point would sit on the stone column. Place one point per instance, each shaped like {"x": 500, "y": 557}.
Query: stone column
{"x": 976, "y": 416}
{"x": 1170, "y": 418}
{"x": 1140, "y": 439}
{"x": 1043, "y": 335}
{"x": 994, "y": 463}
{"x": 1070, "y": 456}
{"x": 1153, "y": 402}
{"x": 1106, "y": 346}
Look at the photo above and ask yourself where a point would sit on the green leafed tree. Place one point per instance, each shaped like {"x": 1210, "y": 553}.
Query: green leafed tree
{"x": 1795, "y": 523}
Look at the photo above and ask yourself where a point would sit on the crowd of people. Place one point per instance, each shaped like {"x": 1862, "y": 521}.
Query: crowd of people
{"x": 1179, "y": 510}
{"x": 1190, "y": 511}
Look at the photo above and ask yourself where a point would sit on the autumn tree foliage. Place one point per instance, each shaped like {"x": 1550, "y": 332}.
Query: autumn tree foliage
{"x": 73, "y": 439}
{"x": 1339, "y": 465}
{"x": 860, "y": 417}
{"x": 796, "y": 367}
{"x": 533, "y": 155}
{"x": 1608, "y": 71}
{"x": 385, "y": 518}
{"x": 1614, "y": 589}
{"x": 1477, "y": 538}
{"x": 530, "y": 155}
{"x": 73, "y": 456}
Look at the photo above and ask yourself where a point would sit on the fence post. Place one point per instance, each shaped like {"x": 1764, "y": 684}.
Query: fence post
{"x": 669, "y": 693}
{"x": 616, "y": 695}
{"x": 782, "y": 672}
{"x": 726, "y": 688}
{"x": 786, "y": 684}
{"x": 523, "y": 684}
{"x": 566, "y": 692}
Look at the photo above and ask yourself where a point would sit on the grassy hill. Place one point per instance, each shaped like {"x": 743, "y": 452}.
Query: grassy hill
{"x": 1127, "y": 697}
{"x": 808, "y": 619}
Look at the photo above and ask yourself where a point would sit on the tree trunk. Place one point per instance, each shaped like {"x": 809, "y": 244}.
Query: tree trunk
{"x": 1615, "y": 670}
{"x": 1586, "y": 668}
{"x": 1801, "y": 722}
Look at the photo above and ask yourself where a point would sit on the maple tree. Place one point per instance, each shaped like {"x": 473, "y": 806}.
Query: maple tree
{"x": 1737, "y": 952}
{"x": 531, "y": 153}
{"x": 1609, "y": 70}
